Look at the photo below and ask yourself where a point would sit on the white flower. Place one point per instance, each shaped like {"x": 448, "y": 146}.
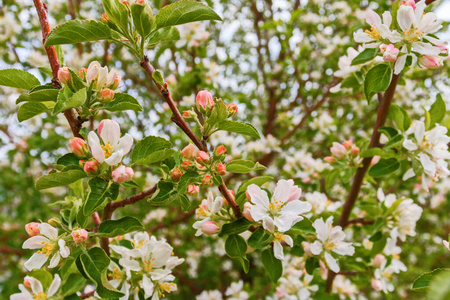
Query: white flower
{"x": 100, "y": 76}
{"x": 318, "y": 201}
{"x": 113, "y": 147}
{"x": 344, "y": 287}
{"x": 278, "y": 210}
{"x": 37, "y": 291}
{"x": 378, "y": 31}
{"x": 235, "y": 292}
{"x": 330, "y": 239}
{"x": 210, "y": 295}
{"x": 49, "y": 244}
{"x": 205, "y": 211}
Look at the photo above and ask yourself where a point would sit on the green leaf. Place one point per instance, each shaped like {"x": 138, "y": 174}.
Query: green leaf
{"x": 122, "y": 102}
{"x": 98, "y": 189}
{"x": 142, "y": 18}
{"x": 142, "y": 152}
{"x": 68, "y": 159}
{"x": 437, "y": 111}
{"x": 272, "y": 265}
{"x": 439, "y": 287}
{"x": 113, "y": 228}
{"x": 184, "y": 11}
{"x": 377, "y": 80}
{"x": 164, "y": 194}
{"x": 48, "y": 93}
{"x": 244, "y": 166}
{"x": 256, "y": 180}
{"x": 72, "y": 284}
{"x": 304, "y": 227}
{"x": 30, "y": 109}
{"x": 238, "y": 127}
{"x": 187, "y": 179}
{"x": 235, "y": 246}
{"x": 423, "y": 281}
{"x": 59, "y": 179}
{"x": 158, "y": 77}
{"x": 118, "y": 13}
{"x": 390, "y": 132}
{"x": 185, "y": 203}
{"x": 219, "y": 113}
{"x": 259, "y": 239}
{"x": 94, "y": 265}
{"x": 68, "y": 100}
{"x": 245, "y": 263}
{"x": 78, "y": 31}
{"x": 18, "y": 79}
{"x": 400, "y": 117}
{"x": 371, "y": 152}
{"x": 365, "y": 56}
{"x": 311, "y": 264}
{"x": 384, "y": 167}
{"x": 162, "y": 35}
{"x": 331, "y": 178}
{"x": 394, "y": 142}
{"x": 237, "y": 226}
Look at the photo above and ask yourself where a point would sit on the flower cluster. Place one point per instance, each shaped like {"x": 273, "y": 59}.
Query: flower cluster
{"x": 277, "y": 214}
{"x": 430, "y": 148}
{"x": 208, "y": 213}
{"x": 32, "y": 289}
{"x": 346, "y": 152}
{"x": 414, "y": 38}
{"x": 149, "y": 262}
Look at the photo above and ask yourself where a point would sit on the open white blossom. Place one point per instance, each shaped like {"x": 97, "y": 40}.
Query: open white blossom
{"x": 330, "y": 239}
{"x": 112, "y": 147}
{"x": 235, "y": 292}
{"x": 37, "y": 290}
{"x": 51, "y": 246}
{"x": 205, "y": 212}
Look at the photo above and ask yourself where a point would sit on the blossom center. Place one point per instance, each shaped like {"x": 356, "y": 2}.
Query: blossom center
{"x": 275, "y": 206}
{"x": 139, "y": 244}
{"x": 116, "y": 274}
{"x": 107, "y": 150}
{"x": 329, "y": 245}
{"x": 278, "y": 236}
{"x": 412, "y": 35}
{"x": 373, "y": 32}
{"x": 149, "y": 264}
{"x": 47, "y": 249}
{"x": 202, "y": 212}
{"x": 40, "y": 296}
{"x": 165, "y": 287}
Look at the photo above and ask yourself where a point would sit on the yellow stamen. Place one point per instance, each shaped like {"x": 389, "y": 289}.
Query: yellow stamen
{"x": 278, "y": 236}
{"x": 165, "y": 287}
{"x": 47, "y": 249}
{"x": 116, "y": 274}
{"x": 149, "y": 264}
{"x": 140, "y": 244}
{"x": 373, "y": 33}
{"x": 40, "y": 296}
{"x": 107, "y": 150}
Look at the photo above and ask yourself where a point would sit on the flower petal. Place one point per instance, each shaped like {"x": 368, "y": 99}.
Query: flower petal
{"x": 331, "y": 262}
{"x": 316, "y": 248}
{"x": 36, "y": 261}
{"x": 54, "y": 286}
{"x": 278, "y": 250}
{"x": 110, "y": 132}
{"x": 115, "y": 158}
{"x": 282, "y": 191}
{"x": 35, "y": 285}
{"x": 258, "y": 196}
{"x": 96, "y": 148}
{"x": 48, "y": 231}
{"x": 55, "y": 260}
{"x": 35, "y": 242}
{"x": 125, "y": 143}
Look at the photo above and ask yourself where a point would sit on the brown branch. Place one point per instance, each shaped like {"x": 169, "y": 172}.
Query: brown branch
{"x": 383, "y": 109}
{"x": 360, "y": 221}
{"x": 178, "y": 119}
{"x": 87, "y": 295}
{"x": 179, "y": 219}
{"x": 132, "y": 199}
{"x": 41, "y": 8}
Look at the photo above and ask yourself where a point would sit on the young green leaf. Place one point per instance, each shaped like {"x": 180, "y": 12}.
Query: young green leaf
{"x": 113, "y": 228}
{"x": 68, "y": 100}
{"x": 365, "y": 56}
{"x": 377, "y": 80}
{"x": 162, "y": 35}
{"x": 122, "y": 102}
{"x": 46, "y": 93}
{"x": 272, "y": 265}
{"x": 260, "y": 239}
{"x": 59, "y": 179}
{"x": 98, "y": 191}
{"x": 235, "y": 246}
{"x": 384, "y": 167}
{"x": 237, "y": 226}
{"x": 150, "y": 150}
{"x": 30, "y": 109}
{"x": 244, "y": 166}
{"x": 18, "y": 79}
{"x": 238, "y": 127}
{"x": 142, "y": 18}
{"x": 437, "y": 111}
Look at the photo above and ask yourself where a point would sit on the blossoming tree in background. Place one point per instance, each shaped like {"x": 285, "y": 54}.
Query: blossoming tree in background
{"x": 151, "y": 186}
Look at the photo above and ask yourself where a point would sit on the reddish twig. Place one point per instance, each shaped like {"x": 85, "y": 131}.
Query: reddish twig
{"x": 383, "y": 109}
{"x": 87, "y": 295}
{"x": 178, "y": 119}
{"x": 360, "y": 221}
{"x": 132, "y": 199}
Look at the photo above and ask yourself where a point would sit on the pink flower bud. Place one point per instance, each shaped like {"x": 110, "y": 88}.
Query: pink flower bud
{"x": 389, "y": 52}
{"x": 116, "y": 82}
{"x": 92, "y": 167}
{"x": 232, "y": 109}
{"x": 377, "y": 285}
{"x": 64, "y": 75}
{"x": 193, "y": 190}
{"x": 443, "y": 48}
{"x": 186, "y": 164}
{"x": 378, "y": 260}
{"x": 140, "y": 2}
{"x": 188, "y": 152}
{"x": 347, "y": 144}
{"x": 329, "y": 159}
{"x": 32, "y": 229}
{"x": 79, "y": 236}
{"x": 104, "y": 18}
{"x": 122, "y": 174}
{"x": 207, "y": 180}
{"x": 338, "y": 150}
{"x": 431, "y": 62}
{"x": 220, "y": 150}
{"x": 204, "y": 100}
{"x": 411, "y": 3}
{"x": 307, "y": 247}
{"x": 26, "y": 283}
{"x": 221, "y": 169}
{"x": 210, "y": 228}
{"x": 246, "y": 212}
{"x": 176, "y": 174}
{"x": 92, "y": 71}
{"x": 375, "y": 160}
{"x": 105, "y": 95}
{"x": 354, "y": 151}
{"x": 202, "y": 157}
{"x": 79, "y": 147}
{"x": 83, "y": 71}
{"x": 295, "y": 193}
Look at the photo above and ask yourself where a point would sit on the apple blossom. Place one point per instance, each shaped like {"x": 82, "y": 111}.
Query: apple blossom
{"x": 221, "y": 169}
{"x": 32, "y": 229}
{"x": 176, "y": 174}
{"x": 105, "y": 95}
{"x": 79, "y": 147}
{"x": 188, "y": 152}
{"x": 389, "y": 52}
{"x": 202, "y": 157}
{"x": 92, "y": 167}
{"x": 122, "y": 174}
{"x": 79, "y": 236}
{"x": 330, "y": 239}
{"x": 37, "y": 289}
{"x": 431, "y": 62}
{"x": 204, "y": 100}
{"x": 210, "y": 228}
{"x": 111, "y": 148}
{"x": 49, "y": 244}
{"x": 64, "y": 75}
{"x": 379, "y": 30}
{"x": 220, "y": 150}
{"x": 193, "y": 189}
{"x": 338, "y": 150}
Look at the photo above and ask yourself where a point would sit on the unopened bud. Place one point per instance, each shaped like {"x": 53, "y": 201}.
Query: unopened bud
{"x": 378, "y": 260}
{"x": 193, "y": 190}
{"x": 92, "y": 167}
{"x": 26, "y": 283}
{"x": 232, "y": 109}
{"x": 116, "y": 82}
{"x": 122, "y": 174}
{"x": 176, "y": 174}
{"x": 104, "y": 18}
{"x": 354, "y": 151}
{"x": 347, "y": 144}
{"x": 207, "y": 180}
{"x": 64, "y": 75}
{"x": 221, "y": 169}
{"x": 79, "y": 236}
{"x": 329, "y": 159}
{"x": 82, "y": 73}
{"x": 186, "y": 164}
{"x": 81, "y": 163}
{"x": 32, "y": 228}
{"x": 431, "y": 62}
{"x": 338, "y": 150}
{"x": 105, "y": 95}
{"x": 125, "y": 2}
{"x": 55, "y": 222}
{"x": 188, "y": 152}
{"x": 377, "y": 284}
{"x": 204, "y": 100}
{"x": 189, "y": 115}
{"x": 246, "y": 212}
{"x": 140, "y": 2}
{"x": 202, "y": 157}
{"x": 79, "y": 147}
{"x": 220, "y": 150}
{"x": 210, "y": 228}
